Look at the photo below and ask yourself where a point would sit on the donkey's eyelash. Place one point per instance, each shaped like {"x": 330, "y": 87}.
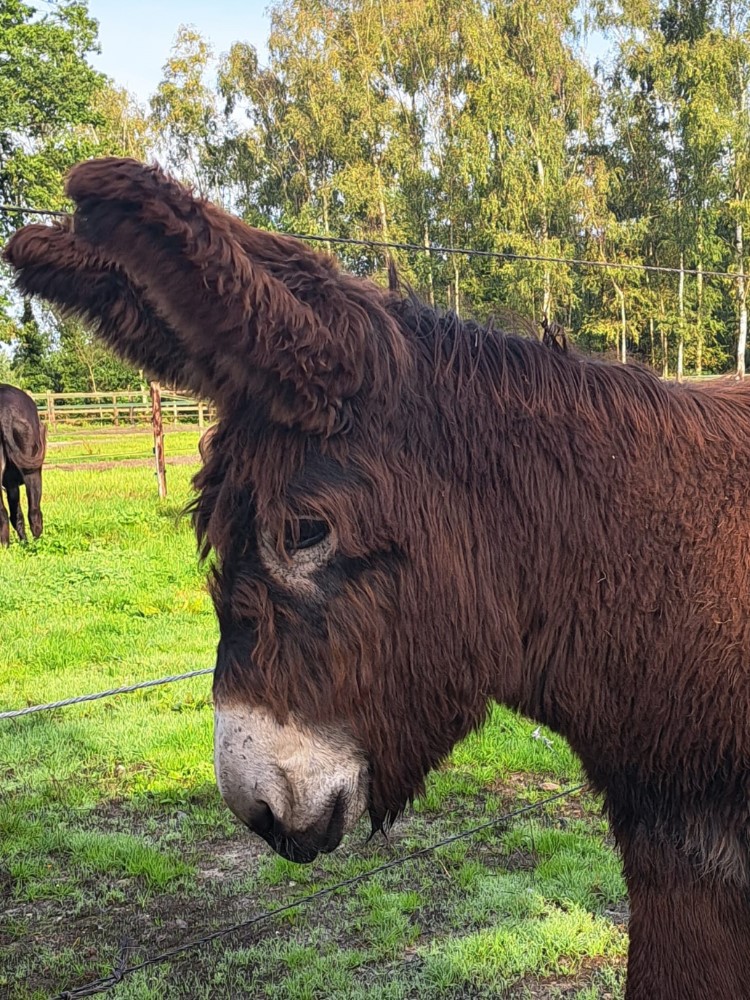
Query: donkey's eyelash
{"x": 304, "y": 533}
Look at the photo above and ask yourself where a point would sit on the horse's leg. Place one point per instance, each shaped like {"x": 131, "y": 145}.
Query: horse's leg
{"x": 33, "y": 481}
{"x": 689, "y": 933}
{"x": 14, "y": 505}
{"x": 4, "y": 523}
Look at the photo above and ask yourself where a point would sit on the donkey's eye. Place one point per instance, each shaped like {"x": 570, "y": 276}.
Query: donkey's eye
{"x": 304, "y": 534}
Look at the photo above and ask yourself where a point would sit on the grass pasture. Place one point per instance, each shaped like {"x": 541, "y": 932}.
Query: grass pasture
{"x": 111, "y": 827}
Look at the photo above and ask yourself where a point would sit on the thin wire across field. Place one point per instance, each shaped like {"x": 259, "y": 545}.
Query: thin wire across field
{"x": 127, "y": 689}
{"x": 432, "y": 248}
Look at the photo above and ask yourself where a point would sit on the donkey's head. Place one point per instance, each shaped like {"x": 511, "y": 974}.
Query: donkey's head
{"x": 337, "y": 495}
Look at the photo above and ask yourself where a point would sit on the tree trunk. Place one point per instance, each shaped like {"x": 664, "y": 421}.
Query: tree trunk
{"x": 664, "y": 340}
{"x": 623, "y": 346}
{"x": 383, "y": 218}
{"x": 384, "y": 234}
{"x": 699, "y": 322}
{"x": 651, "y": 341}
{"x": 547, "y": 279}
{"x": 681, "y": 313}
{"x": 741, "y": 301}
{"x": 547, "y": 301}
{"x": 739, "y": 196}
{"x": 92, "y": 375}
{"x": 456, "y": 286}
{"x": 326, "y": 221}
{"x": 430, "y": 281}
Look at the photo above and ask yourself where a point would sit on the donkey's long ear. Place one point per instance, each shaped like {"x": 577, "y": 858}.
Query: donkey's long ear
{"x": 246, "y": 329}
{"x": 60, "y": 267}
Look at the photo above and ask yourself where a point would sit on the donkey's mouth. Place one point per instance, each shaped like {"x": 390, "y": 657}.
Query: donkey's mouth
{"x": 287, "y": 847}
{"x": 303, "y": 848}
{"x": 301, "y": 852}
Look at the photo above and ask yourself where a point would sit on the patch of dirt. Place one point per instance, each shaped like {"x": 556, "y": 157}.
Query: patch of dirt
{"x": 229, "y": 859}
{"x": 123, "y": 463}
{"x": 580, "y": 805}
{"x": 618, "y": 914}
{"x": 555, "y": 988}
{"x": 140, "y": 813}
{"x": 519, "y": 861}
{"x": 114, "y": 911}
{"x": 97, "y": 936}
{"x": 122, "y": 430}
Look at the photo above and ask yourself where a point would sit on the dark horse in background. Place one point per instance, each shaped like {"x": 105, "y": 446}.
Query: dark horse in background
{"x": 414, "y": 515}
{"x": 22, "y": 448}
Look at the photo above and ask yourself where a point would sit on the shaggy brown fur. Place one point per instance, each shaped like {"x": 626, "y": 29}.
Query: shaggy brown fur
{"x": 22, "y": 448}
{"x": 511, "y": 522}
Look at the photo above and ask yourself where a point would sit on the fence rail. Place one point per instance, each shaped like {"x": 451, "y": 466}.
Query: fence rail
{"x": 116, "y": 408}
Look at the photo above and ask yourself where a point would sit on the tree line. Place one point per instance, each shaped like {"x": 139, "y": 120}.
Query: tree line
{"x": 482, "y": 124}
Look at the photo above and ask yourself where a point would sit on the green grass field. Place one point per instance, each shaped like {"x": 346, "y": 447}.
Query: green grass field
{"x": 111, "y": 827}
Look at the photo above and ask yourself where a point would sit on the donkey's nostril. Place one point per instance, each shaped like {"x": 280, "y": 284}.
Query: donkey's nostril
{"x": 260, "y": 818}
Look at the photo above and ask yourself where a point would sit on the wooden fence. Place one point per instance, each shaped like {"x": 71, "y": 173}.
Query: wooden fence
{"x": 129, "y": 407}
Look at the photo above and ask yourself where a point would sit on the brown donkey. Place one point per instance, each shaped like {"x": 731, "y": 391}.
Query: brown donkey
{"x": 413, "y": 516}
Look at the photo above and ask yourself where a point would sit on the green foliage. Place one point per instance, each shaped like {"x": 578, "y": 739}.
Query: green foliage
{"x": 481, "y": 125}
{"x": 184, "y": 111}
{"x": 55, "y": 110}
{"x": 676, "y": 109}
{"x": 31, "y": 357}
{"x": 6, "y": 371}
{"x": 63, "y": 356}
{"x": 47, "y": 94}
{"x": 81, "y": 362}
{"x": 460, "y": 124}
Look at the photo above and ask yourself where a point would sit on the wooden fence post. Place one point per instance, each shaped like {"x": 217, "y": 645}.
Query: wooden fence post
{"x": 51, "y": 411}
{"x": 201, "y": 419}
{"x": 156, "y": 422}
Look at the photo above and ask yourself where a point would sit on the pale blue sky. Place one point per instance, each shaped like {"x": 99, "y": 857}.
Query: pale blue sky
{"x": 136, "y": 35}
